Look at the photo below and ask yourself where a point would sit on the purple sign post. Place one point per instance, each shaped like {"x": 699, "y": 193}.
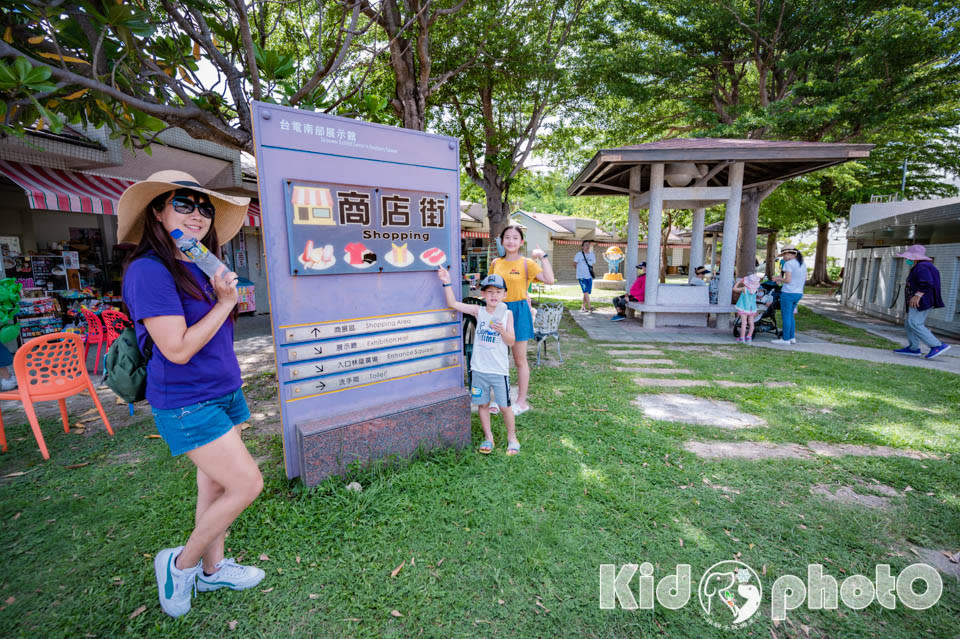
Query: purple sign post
{"x": 357, "y": 218}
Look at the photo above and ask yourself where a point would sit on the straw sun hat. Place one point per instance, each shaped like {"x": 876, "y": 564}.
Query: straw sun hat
{"x": 228, "y": 219}
{"x": 789, "y": 248}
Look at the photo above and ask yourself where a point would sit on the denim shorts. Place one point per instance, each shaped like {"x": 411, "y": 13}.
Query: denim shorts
{"x": 485, "y": 387}
{"x": 586, "y": 285}
{"x": 196, "y": 425}
{"x": 522, "y": 320}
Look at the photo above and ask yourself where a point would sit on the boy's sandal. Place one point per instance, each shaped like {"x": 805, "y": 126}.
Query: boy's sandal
{"x": 494, "y": 408}
{"x": 513, "y": 449}
{"x": 486, "y": 447}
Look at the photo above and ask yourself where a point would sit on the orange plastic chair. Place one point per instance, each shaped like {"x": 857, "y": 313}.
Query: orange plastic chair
{"x": 50, "y": 367}
{"x": 95, "y": 335}
{"x": 114, "y": 322}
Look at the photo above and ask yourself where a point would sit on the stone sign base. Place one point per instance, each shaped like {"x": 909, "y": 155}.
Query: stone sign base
{"x": 328, "y": 446}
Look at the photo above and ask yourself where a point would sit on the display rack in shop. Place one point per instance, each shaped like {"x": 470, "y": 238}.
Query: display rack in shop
{"x": 39, "y": 316}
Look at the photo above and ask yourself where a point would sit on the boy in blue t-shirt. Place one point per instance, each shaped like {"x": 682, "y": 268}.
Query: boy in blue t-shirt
{"x": 490, "y": 365}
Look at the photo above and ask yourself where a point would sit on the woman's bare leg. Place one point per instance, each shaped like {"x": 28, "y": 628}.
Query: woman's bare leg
{"x": 228, "y": 480}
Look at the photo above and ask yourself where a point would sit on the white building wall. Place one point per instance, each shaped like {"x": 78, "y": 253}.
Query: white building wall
{"x": 875, "y": 279}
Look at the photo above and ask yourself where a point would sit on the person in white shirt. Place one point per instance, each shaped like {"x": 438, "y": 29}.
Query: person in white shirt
{"x": 793, "y": 277}
{"x": 585, "y": 261}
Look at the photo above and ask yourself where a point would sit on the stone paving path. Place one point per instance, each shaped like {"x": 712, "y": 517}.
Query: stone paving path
{"x": 691, "y": 409}
{"x": 769, "y": 450}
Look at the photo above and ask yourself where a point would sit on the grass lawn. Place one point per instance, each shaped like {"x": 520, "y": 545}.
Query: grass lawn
{"x": 511, "y": 547}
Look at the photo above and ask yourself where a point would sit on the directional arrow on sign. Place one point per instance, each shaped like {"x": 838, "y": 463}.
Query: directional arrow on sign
{"x": 318, "y": 349}
{"x": 316, "y": 332}
{"x": 319, "y": 367}
{"x": 321, "y": 385}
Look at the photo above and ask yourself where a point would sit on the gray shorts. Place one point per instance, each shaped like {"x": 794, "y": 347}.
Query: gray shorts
{"x": 487, "y": 386}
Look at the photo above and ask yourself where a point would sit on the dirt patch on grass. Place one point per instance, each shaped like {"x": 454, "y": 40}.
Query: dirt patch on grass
{"x": 847, "y": 495}
{"x": 126, "y": 458}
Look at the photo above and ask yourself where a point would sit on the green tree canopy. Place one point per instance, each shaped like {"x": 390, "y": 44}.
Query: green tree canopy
{"x": 138, "y": 67}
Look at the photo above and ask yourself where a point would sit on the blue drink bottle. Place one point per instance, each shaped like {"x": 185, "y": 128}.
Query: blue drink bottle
{"x": 197, "y": 253}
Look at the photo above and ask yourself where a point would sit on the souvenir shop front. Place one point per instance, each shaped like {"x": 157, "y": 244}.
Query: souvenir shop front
{"x": 58, "y": 239}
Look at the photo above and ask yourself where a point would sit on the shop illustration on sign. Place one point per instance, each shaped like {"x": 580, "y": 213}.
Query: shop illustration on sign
{"x": 340, "y": 228}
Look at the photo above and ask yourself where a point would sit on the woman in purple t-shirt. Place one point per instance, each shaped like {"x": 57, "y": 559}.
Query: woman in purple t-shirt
{"x": 193, "y": 378}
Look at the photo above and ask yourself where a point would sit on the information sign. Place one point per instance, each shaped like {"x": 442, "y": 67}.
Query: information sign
{"x": 356, "y": 219}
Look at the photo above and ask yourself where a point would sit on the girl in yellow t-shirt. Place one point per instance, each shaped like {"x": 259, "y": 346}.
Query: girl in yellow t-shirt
{"x": 519, "y": 272}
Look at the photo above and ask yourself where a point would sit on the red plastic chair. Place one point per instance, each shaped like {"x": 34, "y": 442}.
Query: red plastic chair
{"x": 95, "y": 335}
{"x": 50, "y": 367}
{"x": 114, "y": 322}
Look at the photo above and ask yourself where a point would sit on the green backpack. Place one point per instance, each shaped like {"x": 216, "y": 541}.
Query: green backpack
{"x": 125, "y": 369}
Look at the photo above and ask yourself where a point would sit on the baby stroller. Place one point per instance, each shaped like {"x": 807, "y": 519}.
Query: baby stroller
{"x": 768, "y": 303}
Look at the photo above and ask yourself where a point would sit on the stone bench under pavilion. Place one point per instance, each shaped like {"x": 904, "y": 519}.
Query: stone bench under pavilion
{"x": 695, "y": 173}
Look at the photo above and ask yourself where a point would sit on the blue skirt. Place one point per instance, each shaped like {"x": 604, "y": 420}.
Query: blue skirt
{"x": 522, "y": 320}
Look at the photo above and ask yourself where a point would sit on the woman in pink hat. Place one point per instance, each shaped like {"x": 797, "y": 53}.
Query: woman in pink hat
{"x": 922, "y": 295}
{"x": 747, "y": 305}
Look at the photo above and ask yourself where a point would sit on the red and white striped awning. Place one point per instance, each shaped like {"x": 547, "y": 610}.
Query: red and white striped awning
{"x": 59, "y": 190}
{"x": 253, "y": 214}
{"x": 74, "y": 192}
{"x": 474, "y": 234}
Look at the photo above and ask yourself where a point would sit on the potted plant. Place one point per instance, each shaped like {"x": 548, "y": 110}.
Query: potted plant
{"x": 9, "y": 305}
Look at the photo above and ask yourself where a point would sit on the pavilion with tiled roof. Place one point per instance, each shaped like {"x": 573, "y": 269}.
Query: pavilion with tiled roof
{"x": 694, "y": 173}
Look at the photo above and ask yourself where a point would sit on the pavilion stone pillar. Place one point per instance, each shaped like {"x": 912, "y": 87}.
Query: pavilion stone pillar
{"x": 633, "y": 230}
{"x": 713, "y": 255}
{"x": 654, "y": 222}
{"x": 731, "y": 227}
{"x": 696, "y": 241}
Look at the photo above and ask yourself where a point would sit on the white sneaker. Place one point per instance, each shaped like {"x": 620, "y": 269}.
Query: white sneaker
{"x": 8, "y": 384}
{"x": 793, "y": 340}
{"x": 174, "y": 586}
{"x": 230, "y": 575}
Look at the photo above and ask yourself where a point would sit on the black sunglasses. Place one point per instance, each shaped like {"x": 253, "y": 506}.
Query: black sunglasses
{"x": 185, "y": 206}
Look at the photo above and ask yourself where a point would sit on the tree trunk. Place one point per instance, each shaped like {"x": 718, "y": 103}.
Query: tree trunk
{"x": 498, "y": 211}
{"x": 771, "y": 255}
{"x": 664, "y": 236}
{"x": 746, "y": 262}
{"x": 820, "y": 276}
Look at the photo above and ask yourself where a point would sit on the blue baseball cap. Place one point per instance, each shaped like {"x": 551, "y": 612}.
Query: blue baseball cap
{"x": 493, "y": 280}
